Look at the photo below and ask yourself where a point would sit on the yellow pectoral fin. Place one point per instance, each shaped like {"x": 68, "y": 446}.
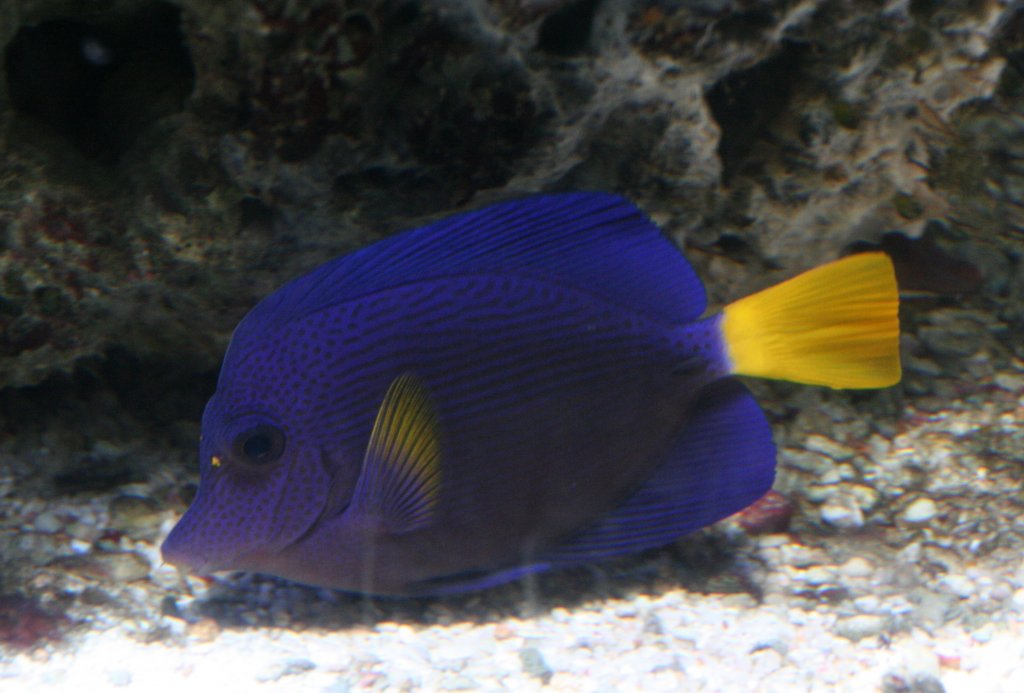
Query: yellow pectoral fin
{"x": 836, "y": 325}
{"x": 400, "y": 484}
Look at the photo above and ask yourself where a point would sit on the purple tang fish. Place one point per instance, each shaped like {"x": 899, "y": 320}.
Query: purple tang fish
{"x": 528, "y": 386}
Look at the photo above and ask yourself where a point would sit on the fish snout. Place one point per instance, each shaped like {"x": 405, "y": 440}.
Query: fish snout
{"x": 178, "y": 552}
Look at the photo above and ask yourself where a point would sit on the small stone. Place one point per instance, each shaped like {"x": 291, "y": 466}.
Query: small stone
{"x": 960, "y": 585}
{"x": 857, "y": 567}
{"x": 826, "y": 446}
{"x": 818, "y": 575}
{"x": 94, "y": 596}
{"x": 860, "y": 626}
{"x": 895, "y": 683}
{"x": 777, "y": 644}
{"x": 534, "y": 664}
{"x": 920, "y": 511}
{"x": 926, "y": 683}
{"x": 922, "y": 365}
{"x": 137, "y": 515}
{"x": 868, "y": 604}
{"x": 119, "y": 678}
{"x": 124, "y": 566}
{"x": 504, "y": 631}
{"x": 865, "y": 496}
{"x": 811, "y": 462}
{"x": 80, "y": 546}
{"x": 297, "y": 665}
{"x": 47, "y": 522}
{"x": 936, "y": 608}
{"x": 800, "y": 556}
{"x": 120, "y": 566}
{"x": 1018, "y": 599}
{"x": 771, "y": 514}
{"x": 339, "y": 686}
{"x": 920, "y": 660}
{"x": 840, "y": 512}
{"x": 169, "y": 607}
{"x": 983, "y": 634}
{"x": 459, "y": 683}
{"x": 204, "y": 630}
{"x": 821, "y": 493}
{"x": 1009, "y": 381}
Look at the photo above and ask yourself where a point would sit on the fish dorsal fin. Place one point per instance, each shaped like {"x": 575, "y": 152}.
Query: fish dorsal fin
{"x": 400, "y": 484}
{"x": 596, "y": 242}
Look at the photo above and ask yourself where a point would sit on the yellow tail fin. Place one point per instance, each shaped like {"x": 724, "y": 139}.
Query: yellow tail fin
{"x": 835, "y": 325}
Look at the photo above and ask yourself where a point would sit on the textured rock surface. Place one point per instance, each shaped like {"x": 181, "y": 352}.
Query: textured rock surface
{"x": 269, "y": 136}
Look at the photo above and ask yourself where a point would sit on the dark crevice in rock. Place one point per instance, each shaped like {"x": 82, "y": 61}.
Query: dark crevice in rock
{"x": 566, "y": 31}
{"x": 105, "y": 401}
{"x": 1008, "y": 41}
{"x": 747, "y": 26}
{"x": 745, "y": 103}
{"x": 154, "y": 389}
{"x": 100, "y": 84}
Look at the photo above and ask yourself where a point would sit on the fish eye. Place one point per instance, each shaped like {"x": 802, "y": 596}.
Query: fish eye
{"x": 259, "y": 446}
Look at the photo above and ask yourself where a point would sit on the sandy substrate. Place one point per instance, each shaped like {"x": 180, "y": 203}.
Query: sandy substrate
{"x": 673, "y": 641}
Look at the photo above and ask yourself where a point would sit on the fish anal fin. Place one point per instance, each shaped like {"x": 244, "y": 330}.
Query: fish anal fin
{"x": 723, "y": 461}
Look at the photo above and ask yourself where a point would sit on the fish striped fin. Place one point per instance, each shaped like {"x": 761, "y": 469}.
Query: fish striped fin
{"x": 722, "y": 461}
{"x": 400, "y": 483}
{"x": 595, "y": 242}
{"x": 836, "y": 325}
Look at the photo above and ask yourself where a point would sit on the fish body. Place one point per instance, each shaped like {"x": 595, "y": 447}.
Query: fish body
{"x": 523, "y": 387}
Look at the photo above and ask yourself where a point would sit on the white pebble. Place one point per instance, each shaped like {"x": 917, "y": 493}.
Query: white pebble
{"x": 920, "y": 511}
{"x": 857, "y": 567}
{"x": 80, "y": 547}
{"x": 920, "y": 659}
{"x": 839, "y": 512}
{"x": 868, "y": 604}
{"x": 960, "y": 585}
{"x": 47, "y": 522}
{"x": 1009, "y": 381}
{"x": 865, "y": 496}
{"x": 983, "y": 634}
{"x": 860, "y": 626}
{"x": 818, "y": 575}
{"x": 827, "y": 446}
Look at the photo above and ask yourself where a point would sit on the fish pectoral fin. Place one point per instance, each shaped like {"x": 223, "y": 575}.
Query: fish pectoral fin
{"x": 400, "y": 483}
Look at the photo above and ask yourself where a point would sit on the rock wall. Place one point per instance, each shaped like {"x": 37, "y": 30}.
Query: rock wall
{"x": 166, "y": 164}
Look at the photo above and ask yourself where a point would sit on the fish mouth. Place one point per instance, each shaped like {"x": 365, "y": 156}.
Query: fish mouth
{"x": 176, "y": 554}
{"x": 179, "y": 555}
{"x": 179, "y": 550}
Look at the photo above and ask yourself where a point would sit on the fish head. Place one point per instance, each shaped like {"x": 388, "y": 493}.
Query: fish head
{"x": 266, "y": 475}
